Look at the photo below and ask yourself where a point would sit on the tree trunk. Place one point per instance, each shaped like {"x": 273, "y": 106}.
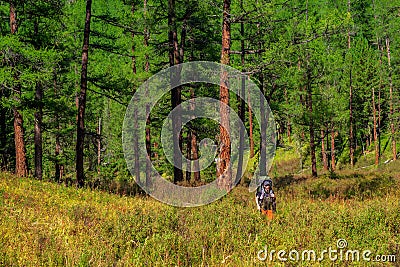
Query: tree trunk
{"x": 379, "y": 97}
{"x": 80, "y": 137}
{"x": 288, "y": 124}
{"x": 136, "y": 150}
{"x": 241, "y": 106}
{"x": 193, "y": 145}
{"x": 3, "y": 136}
{"x": 21, "y": 167}
{"x": 311, "y": 128}
{"x": 133, "y": 42}
{"x": 99, "y": 146}
{"x": 351, "y": 134}
{"x": 392, "y": 128}
{"x": 375, "y": 128}
{"x": 13, "y": 17}
{"x": 174, "y": 59}
{"x": 38, "y": 118}
{"x": 224, "y": 172}
{"x": 251, "y": 128}
{"x": 324, "y": 158}
{"x": 333, "y": 159}
{"x": 58, "y": 173}
{"x": 264, "y": 118}
{"x": 38, "y": 132}
{"x": 263, "y": 129}
{"x": 189, "y": 155}
{"x": 148, "y": 120}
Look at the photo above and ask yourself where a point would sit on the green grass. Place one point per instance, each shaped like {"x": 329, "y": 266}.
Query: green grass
{"x": 46, "y": 224}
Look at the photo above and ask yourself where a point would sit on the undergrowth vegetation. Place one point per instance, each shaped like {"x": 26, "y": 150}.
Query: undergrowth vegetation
{"x": 46, "y": 224}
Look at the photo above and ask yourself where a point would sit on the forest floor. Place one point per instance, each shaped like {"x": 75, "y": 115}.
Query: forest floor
{"x": 47, "y": 224}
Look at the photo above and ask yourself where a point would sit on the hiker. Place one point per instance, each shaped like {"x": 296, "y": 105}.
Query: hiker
{"x": 265, "y": 196}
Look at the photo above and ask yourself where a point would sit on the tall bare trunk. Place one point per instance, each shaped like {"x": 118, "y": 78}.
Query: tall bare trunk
{"x": 251, "y": 128}
{"x": 21, "y": 166}
{"x": 38, "y": 132}
{"x": 80, "y": 137}
{"x": 148, "y": 120}
{"x": 174, "y": 59}
{"x": 333, "y": 158}
{"x": 264, "y": 117}
{"x": 263, "y": 129}
{"x": 391, "y": 111}
{"x": 241, "y": 105}
{"x": 133, "y": 42}
{"x": 324, "y": 158}
{"x": 223, "y": 165}
{"x": 57, "y": 152}
{"x": 136, "y": 125}
{"x": 99, "y": 146}
{"x": 193, "y": 145}
{"x": 375, "y": 128}
{"x": 38, "y": 118}
{"x": 311, "y": 125}
{"x": 136, "y": 142}
{"x": 13, "y": 17}
{"x": 3, "y": 129}
{"x": 351, "y": 133}
{"x": 189, "y": 155}
{"x": 58, "y": 166}
{"x": 288, "y": 124}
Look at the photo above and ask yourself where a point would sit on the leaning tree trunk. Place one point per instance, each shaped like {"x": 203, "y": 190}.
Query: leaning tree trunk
{"x": 21, "y": 166}
{"x": 224, "y": 172}
{"x": 80, "y": 138}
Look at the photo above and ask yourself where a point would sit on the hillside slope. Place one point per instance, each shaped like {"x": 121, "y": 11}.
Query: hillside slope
{"x": 45, "y": 224}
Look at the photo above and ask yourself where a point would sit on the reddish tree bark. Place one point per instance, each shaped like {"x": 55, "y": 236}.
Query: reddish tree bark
{"x": 192, "y": 143}
{"x": 21, "y": 166}
{"x": 224, "y": 171}
{"x": 80, "y": 137}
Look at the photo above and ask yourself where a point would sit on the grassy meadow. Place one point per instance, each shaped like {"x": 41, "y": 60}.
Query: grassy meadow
{"x": 47, "y": 224}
